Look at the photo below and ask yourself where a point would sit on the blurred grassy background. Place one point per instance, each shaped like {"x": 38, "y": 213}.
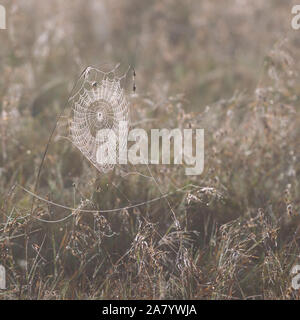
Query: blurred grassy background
{"x": 229, "y": 67}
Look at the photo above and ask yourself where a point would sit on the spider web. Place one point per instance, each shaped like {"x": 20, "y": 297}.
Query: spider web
{"x": 99, "y": 105}
{"x": 98, "y": 101}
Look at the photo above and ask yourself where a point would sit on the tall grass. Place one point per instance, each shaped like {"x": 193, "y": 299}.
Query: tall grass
{"x": 197, "y": 66}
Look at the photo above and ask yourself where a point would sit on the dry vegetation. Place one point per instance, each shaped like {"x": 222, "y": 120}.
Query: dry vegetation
{"x": 229, "y": 67}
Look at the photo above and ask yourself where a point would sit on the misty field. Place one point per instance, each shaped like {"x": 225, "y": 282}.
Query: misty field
{"x": 70, "y": 231}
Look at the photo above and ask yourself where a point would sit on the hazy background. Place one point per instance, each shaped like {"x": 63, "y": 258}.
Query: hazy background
{"x": 230, "y": 67}
{"x": 205, "y": 49}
